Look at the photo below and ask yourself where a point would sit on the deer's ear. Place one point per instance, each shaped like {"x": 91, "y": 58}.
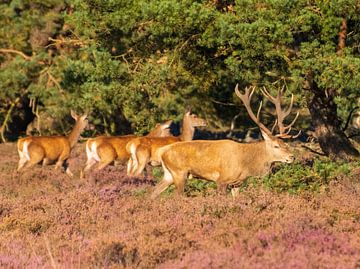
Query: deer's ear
{"x": 188, "y": 111}
{"x": 74, "y": 115}
{"x": 265, "y": 135}
{"x": 166, "y": 125}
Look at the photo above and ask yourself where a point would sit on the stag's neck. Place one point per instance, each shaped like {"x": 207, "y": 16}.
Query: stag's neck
{"x": 74, "y": 135}
{"x": 257, "y": 152}
{"x": 187, "y": 132}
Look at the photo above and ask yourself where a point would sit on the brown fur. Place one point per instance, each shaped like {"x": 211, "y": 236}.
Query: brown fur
{"x": 50, "y": 149}
{"x": 143, "y": 149}
{"x": 222, "y": 161}
{"x": 107, "y": 149}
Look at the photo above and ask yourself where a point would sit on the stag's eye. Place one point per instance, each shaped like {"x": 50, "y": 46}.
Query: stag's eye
{"x": 277, "y": 147}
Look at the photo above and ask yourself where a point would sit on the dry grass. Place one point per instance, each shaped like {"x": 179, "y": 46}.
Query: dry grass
{"x": 48, "y": 220}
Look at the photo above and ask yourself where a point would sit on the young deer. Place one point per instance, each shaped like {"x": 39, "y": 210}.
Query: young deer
{"x": 50, "y": 149}
{"x": 107, "y": 149}
{"x": 142, "y": 149}
{"x": 225, "y": 161}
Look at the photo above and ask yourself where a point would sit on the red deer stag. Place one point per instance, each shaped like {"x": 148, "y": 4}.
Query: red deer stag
{"x": 226, "y": 161}
{"x": 107, "y": 149}
{"x": 142, "y": 149}
{"x": 50, "y": 149}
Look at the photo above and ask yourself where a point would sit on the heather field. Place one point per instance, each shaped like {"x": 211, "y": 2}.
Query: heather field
{"x": 48, "y": 220}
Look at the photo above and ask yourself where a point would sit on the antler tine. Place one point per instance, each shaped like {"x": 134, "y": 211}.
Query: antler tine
{"x": 246, "y": 99}
{"x": 280, "y": 112}
{"x": 268, "y": 95}
{"x": 258, "y": 112}
{"x": 282, "y": 90}
{"x": 292, "y": 123}
{"x": 288, "y": 110}
{"x": 273, "y": 127}
{"x": 286, "y": 135}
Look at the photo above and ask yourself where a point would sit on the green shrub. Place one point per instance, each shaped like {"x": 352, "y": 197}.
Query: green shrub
{"x": 298, "y": 177}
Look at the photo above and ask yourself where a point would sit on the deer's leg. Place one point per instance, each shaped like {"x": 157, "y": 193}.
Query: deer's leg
{"x": 163, "y": 184}
{"x": 148, "y": 172}
{"x": 143, "y": 159}
{"x": 61, "y": 162}
{"x": 36, "y": 154}
{"x": 235, "y": 192}
{"x": 139, "y": 159}
{"x": 89, "y": 164}
{"x": 67, "y": 169}
{"x": 221, "y": 188}
{"x": 129, "y": 166}
{"x": 107, "y": 155}
{"x": 23, "y": 160}
{"x": 46, "y": 161}
{"x": 179, "y": 181}
{"x": 102, "y": 164}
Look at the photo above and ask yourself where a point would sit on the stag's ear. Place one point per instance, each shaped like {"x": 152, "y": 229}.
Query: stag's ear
{"x": 266, "y": 136}
{"x": 74, "y": 115}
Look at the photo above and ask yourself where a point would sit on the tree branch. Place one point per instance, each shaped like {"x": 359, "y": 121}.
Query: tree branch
{"x": 4, "y": 125}
{"x": 26, "y": 57}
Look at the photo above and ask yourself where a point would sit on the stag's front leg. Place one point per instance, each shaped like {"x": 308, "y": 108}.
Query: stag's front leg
{"x": 179, "y": 181}
{"x": 222, "y": 188}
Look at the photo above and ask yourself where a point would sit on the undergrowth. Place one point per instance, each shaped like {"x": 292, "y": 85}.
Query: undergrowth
{"x": 299, "y": 176}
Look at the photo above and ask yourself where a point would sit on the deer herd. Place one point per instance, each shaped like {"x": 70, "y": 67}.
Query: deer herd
{"x": 226, "y": 162}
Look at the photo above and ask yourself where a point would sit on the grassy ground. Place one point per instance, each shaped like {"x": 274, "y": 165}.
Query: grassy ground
{"x": 48, "y": 220}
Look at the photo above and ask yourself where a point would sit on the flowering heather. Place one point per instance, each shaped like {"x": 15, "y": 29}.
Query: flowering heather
{"x": 48, "y": 220}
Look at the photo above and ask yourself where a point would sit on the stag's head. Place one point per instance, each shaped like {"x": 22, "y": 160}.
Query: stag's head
{"x": 276, "y": 149}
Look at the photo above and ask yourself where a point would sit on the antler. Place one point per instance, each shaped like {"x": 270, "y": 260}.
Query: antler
{"x": 281, "y": 113}
{"x": 246, "y": 98}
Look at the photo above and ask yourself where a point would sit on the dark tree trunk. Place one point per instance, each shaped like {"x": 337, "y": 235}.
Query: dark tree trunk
{"x": 332, "y": 139}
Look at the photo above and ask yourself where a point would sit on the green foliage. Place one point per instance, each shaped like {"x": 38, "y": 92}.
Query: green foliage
{"x": 196, "y": 187}
{"x": 298, "y": 177}
{"x": 146, "y": 61}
